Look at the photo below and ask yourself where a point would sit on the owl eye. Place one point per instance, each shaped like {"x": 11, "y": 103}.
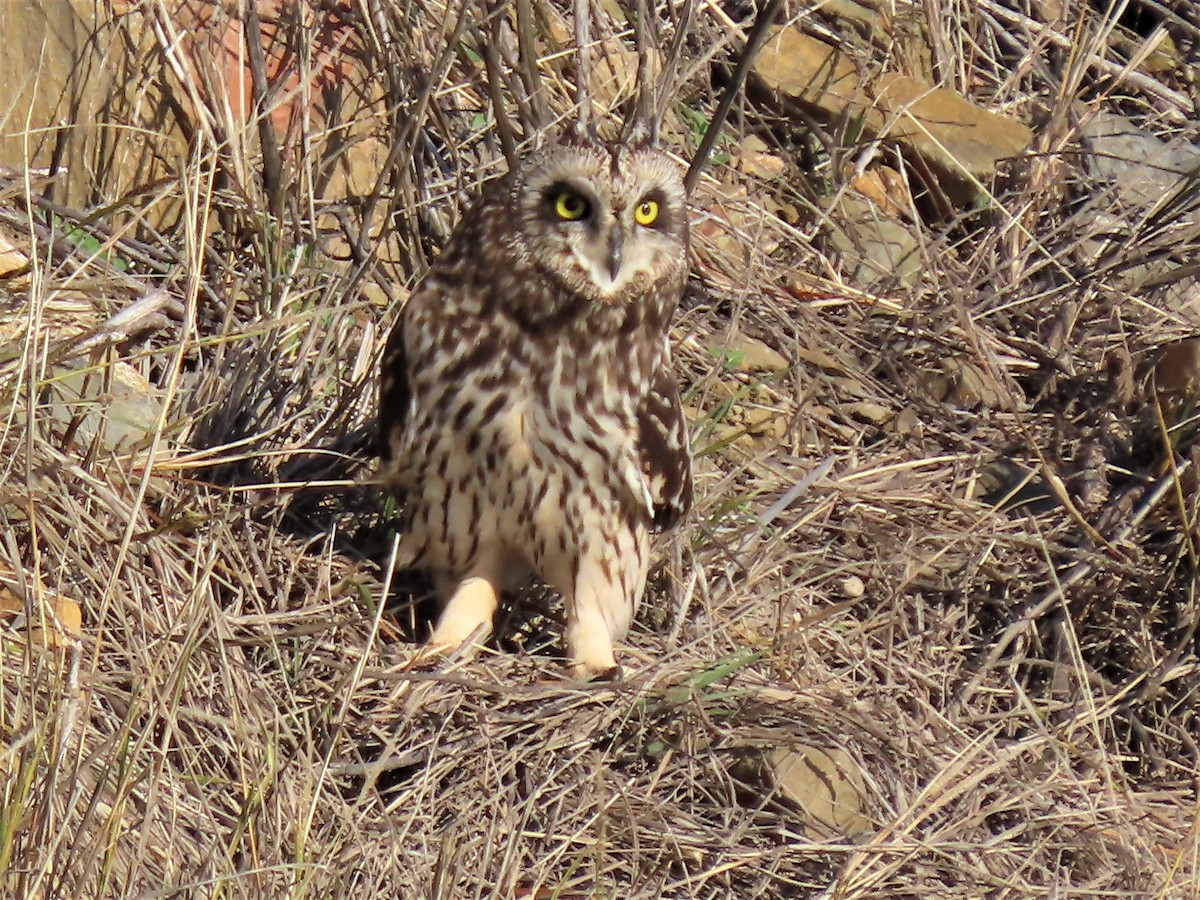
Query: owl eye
{"x": 647, "y": 213}
{"x": 570, "y": 207}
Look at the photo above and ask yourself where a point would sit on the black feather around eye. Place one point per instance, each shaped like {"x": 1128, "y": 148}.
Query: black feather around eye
{"x": 564, "y": 203}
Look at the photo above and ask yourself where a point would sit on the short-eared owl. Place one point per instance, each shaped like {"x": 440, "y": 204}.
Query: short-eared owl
{"x": 528, "y": 407}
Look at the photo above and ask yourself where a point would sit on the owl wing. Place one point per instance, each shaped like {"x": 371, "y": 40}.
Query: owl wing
{"x": 394, "y": 394}
{"x": 665, "y": 449}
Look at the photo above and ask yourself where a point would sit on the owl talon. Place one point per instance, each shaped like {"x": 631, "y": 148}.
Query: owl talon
{"x": 430, "y": 656}
{"x": 426, "y": 657}
{"x": 591, "y": 673}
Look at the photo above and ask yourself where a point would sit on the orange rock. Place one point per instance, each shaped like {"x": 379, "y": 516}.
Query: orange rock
{"x": 943, "y": 128}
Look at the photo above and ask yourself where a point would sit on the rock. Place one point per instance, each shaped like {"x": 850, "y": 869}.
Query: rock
{"x": 727, "y": 234}
{"x": 614, "y": 62}
{"x": 743, "y": 353}
{"x": 873, "y": 247}
{"x": 972, "y": 387}
{"x": 756, "y": 159}
{"x": 63, "y": 617}
{"x": 114, "y": 405}
{"x": 1138, "y": 170}
{"x": 824, "y": 786}
{"x": 742, "y": 427}
{"x": 886, "y": 188}
{"x": 895, "y": 29}
{"x": 853, "y": 587}
{"x": 959, "y": 140}
{"x": 1177, "y": 380}
{"x": 908, "y": 423}
{"x": 1162, "y": 60}
{"x": 46, "y": 44}
{"x": 876, "y": 243}
{"x": 85, "y": 77}
{"x": 14, "y": 259}
{"x": 1015, "y": 488}
{"x": 873, "y": 413}
{"x": 614, "y": 74}
{"x": 1140, "y": 167}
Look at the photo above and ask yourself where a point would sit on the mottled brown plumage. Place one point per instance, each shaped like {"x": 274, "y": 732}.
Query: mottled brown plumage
{"x": 528, "y": 408}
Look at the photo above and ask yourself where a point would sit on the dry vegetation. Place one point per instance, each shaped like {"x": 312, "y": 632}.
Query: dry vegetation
{"x": 1014, "y": 680}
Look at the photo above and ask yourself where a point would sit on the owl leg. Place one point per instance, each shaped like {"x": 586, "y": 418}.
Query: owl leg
{"x": 599, "y": 612}
{"x": 469, "y": 612}
{"x": 590, "y": 643}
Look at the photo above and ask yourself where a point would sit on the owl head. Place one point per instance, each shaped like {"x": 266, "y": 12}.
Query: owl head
{"x": 604, "y": 221}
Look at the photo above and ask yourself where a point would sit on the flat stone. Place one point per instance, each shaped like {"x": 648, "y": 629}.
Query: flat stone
{"x": 1141, "y": 167}
{"x": 875, "y": 248}
{"x": 824, "y": 784}
{"x": 119, "y": 408}
{"x": 1136, "y": 170}
{"x": 744, "y": 353}
{"x": 953, "y": 135}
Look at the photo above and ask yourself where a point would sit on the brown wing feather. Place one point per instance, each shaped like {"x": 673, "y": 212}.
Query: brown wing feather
{"x": 394, "y": 393}
{"x": 454, "y": 266}
{"x": 665, "y": 450}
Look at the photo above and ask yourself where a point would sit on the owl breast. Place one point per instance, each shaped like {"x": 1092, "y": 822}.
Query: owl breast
{"x": 532, "y": 449}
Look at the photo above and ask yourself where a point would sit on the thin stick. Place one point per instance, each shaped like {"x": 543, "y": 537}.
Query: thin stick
{"x": 527, "y": 63}
{"x": 754, "y": 42}
{"x": 643, "y": 124}
{"x": 491, "y": 60}
{"x": 272, "y": 173}
{"x": 583, "y": 62}
{"x": 667, "y": 78}
{"x": 1037, "y": 609}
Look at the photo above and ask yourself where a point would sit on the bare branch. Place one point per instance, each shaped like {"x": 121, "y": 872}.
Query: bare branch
{"x": 527, "y": 63}
{"x": 754, "y": 42}
{"x": 667, "y": 78}
{"x": 583, "y": 64}
{"x": 272, "y": 173}
{"x": 495, "y": 85}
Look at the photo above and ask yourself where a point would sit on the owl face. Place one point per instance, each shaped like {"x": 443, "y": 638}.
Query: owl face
{"x": 603, "y": 221}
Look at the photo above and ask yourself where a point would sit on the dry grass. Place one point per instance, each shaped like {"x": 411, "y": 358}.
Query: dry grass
{"x": 1018, "y": 684}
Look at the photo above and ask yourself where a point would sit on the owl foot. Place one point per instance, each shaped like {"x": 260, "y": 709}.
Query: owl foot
{"x": 592, "y": 654}
{"x": 584, "y": 672}
{"x": 467, "y": 617}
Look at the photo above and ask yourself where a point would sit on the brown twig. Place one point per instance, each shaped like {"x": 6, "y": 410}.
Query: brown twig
{"x": 272, "y": 170}
{"x": 495, "y": 86}
{"x": 754, "y": 41}
{"x": 583, "y": 70}
{"x": 1035, "y": 610}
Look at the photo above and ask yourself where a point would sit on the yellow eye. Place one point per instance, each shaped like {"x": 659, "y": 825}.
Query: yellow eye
{"x": 570, "y": 206}
{"x": 646, "y": 213}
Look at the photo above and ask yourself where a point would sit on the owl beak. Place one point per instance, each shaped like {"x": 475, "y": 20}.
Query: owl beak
{"x": 612, "y": 259}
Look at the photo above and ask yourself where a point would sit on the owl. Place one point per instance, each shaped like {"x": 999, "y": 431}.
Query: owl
{"x": 528, "y": 410}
